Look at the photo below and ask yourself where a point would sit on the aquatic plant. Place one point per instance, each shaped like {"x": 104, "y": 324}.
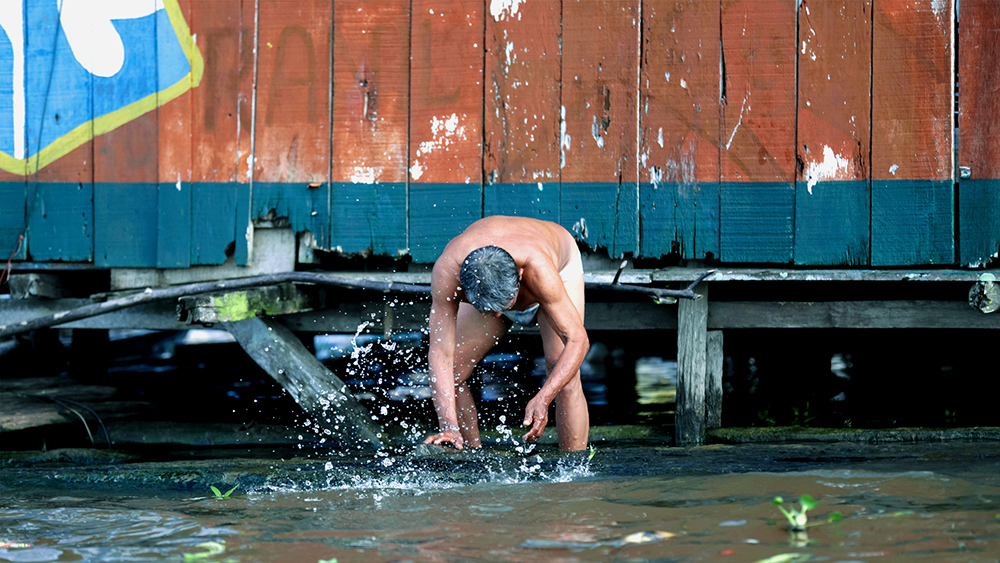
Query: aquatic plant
{"x": 214, "y": 548}
{"x": 219, "y": 494}
{"x": 797, "y": 519}
{"x": 593, "y": 452}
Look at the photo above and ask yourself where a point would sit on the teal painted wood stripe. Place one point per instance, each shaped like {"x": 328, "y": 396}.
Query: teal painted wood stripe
{"x": 12, "y": 197}
{"x": 912, "y": 222}
{"x": 368, "y": 218}
{"x": 657, "y": 205}
{"x": 978, "y": 221}
{"x": 438, "y": 213}
{"x": 307, "y": 209}
{"x": 696, "y": 219}
{"x": 61, "y": 226}
{"x": 242, "y": 225}
{"x": 536, "y": 200}
{"x": 125, "y": 217}
{"x": 213, "y": 221}
{"x": 604, "y": 215}
{"x": 832, "y": 223}
{"x": 173, "y": 225}
{"x": 756, "y": 221}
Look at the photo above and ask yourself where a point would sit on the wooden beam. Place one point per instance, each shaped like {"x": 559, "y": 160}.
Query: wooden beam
{"x": 848, "y": 315}
{"x": 692, "y": 342}
{"x": 229, "y": 306}
{"x": 318, "y": 391}
{"x": 713, "y": 379}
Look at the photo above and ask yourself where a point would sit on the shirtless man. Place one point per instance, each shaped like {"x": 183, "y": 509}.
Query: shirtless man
{"x": 498, "y": 266}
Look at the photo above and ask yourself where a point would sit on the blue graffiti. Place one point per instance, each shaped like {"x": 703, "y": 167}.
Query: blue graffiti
{"x": 70, "y": 69}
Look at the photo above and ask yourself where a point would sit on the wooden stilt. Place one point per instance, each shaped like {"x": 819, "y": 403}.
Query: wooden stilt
{"x": 713, "y": 393}
{"x": 318, "y": 391}
{"x": 692, "y": 341}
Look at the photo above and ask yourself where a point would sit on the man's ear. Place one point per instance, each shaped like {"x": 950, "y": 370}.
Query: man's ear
{"x": 520, "y": 273}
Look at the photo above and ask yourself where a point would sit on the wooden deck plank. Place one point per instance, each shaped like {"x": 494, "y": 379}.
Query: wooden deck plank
{"x": 679, "y": 128}
{"x": 446, "y": 117}
{"x": 370, "y": 116}
{"x": 757, "y": 195}
{"x": 912, "y": 133}
{"x": 834, "y": 111}
{"x": 521, "y": 113}
{"x": 979, "y": 132}
{"x": 600, "y": 104}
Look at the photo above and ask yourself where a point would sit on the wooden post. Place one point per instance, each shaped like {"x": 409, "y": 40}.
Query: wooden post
{"x": 692, "y": 339}
{"x": 318, "y": 391}
{"x": 713, "y": 392}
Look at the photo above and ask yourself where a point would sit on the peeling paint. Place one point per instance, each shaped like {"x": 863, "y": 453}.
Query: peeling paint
{"x": 564, "y": 138}
{"x": 893, "y": 169}
{"x": 417, "y": 170}
{"x": 363, "y": 175}
{"x": 596, "y": 131}
{"x": 501, "y": 9}
{"x": 831, "y": 167}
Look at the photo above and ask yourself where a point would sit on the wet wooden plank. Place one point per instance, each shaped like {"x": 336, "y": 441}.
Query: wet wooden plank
{"x": 692, "y": 368}
{"x": 446, "y": 116}
{"x": 370, "y": 115}
{"x": 220, "y": 133}
{"x": 834, "y": 109}
{"x": 679, "y": 128}
{"x": 521, "y": 114}
{"x": 912, "y": 133}
{"x": 979, "y": 136}
{"x": 600, "y": 105}
{"x": 757, "y": 140}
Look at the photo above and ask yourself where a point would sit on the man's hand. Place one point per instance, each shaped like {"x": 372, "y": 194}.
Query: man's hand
{"x": 536, "y": 415}
{"x": 451, "y": 435}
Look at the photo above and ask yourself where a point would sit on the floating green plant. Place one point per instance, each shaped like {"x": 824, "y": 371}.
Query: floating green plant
{"x": 214, "y": 548}
{"x": 797, "y": 519}
{"x": 220, "y": 495}
{"x": 593, "y": 452}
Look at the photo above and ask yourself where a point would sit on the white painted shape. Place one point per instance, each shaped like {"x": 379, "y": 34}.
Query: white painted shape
{"x": 659, "y": 138}
{"x": 596, "y": 131}
{"x": 363, "y": 175}
{"x": 417, "y": 170}
{"x": 893, "y": 169}
{"x": 12, "y": 23}
{"x": 92, "y": 37}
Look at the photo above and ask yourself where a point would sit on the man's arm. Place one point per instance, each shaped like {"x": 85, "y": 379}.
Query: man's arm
{"x": 441, "y": 358}
{"x": 564, "y": 318}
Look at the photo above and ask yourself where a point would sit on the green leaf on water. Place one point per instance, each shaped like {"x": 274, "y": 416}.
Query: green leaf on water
{"x": 593, "y": 452}
{"x": 230, "y": 491}
{"x": 835, "y": 517}
{"x": 218, "y": 493}
{"x": 787, "y": 558}
{"x": 807, "y": 502}
{"x": 334, "y": 560}
{"x": 778, "y": 501}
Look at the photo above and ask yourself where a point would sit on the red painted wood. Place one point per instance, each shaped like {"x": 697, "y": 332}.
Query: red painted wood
{"x": 758, "y": 114}
{"x": 679, "y": 91}
{"x": 370, "y": 90}
{"x": 600, "y": 89}
{"x": 220, "y": 105}
{"x": 834, "y": 108}
{"x": 174, "y": 121}
{"x": 293, "y": 92}
{"x": 912, "y": 126}
{"x": 979, "y": 88}
{"x": 446, "y": 91}
{"x": 521, "y": 114}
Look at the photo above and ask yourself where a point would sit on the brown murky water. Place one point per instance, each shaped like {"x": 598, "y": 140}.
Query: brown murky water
{"x": 938, "y": 502}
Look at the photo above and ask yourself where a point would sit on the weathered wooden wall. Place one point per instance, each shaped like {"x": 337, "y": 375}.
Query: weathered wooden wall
{"x": 752, "y": 131}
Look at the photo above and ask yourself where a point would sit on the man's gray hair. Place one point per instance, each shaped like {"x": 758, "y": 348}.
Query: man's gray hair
{"x": 489, "y": 278}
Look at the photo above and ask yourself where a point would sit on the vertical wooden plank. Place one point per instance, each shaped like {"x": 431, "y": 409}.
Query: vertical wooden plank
{"x": 757, "y": 196}
{"x": 446, "y": 116}
{"x": 979, "y": 132}
{"x": 832, "y": 188}
{"x": 59, "y": 98}
{"x": 713, "y": 379}
{"x": 174, "y": 122}
{"x": 600, "y": 193}
{"x": 912, "y": 133}
{"x": 370, "y": 111}
{"x": 521, "y": 115}
{"x": 221, "y": 125}
{"x": 692, "y": 345}
{"x": 679, "y": 132}
{"x": 292, "y": 143}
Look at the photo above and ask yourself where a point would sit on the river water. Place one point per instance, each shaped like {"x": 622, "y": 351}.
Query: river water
{"x": 634, "y": 500}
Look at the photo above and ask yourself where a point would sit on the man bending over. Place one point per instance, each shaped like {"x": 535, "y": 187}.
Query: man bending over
{"x": 498, "y": 270}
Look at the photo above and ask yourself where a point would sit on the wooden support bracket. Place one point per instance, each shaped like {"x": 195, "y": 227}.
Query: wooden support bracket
{"x": 317, "y": 390}
{"x": 692, "y": 368}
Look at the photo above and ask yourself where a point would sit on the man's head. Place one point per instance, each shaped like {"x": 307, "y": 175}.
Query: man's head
{"x": 490, "y": 279}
